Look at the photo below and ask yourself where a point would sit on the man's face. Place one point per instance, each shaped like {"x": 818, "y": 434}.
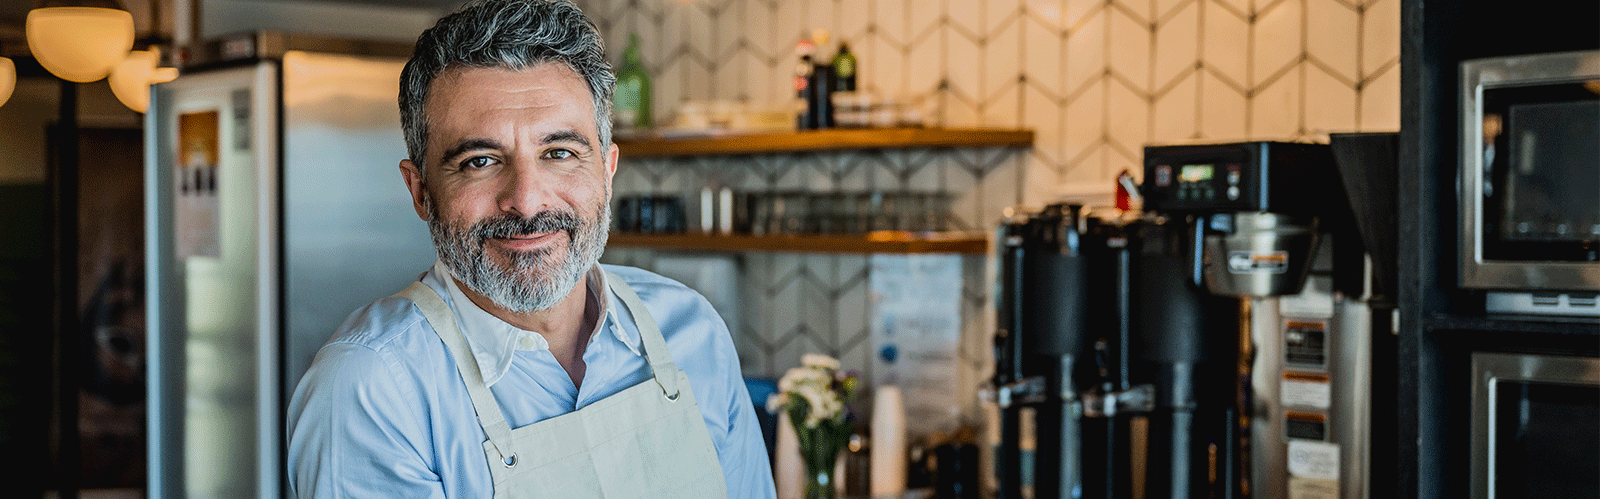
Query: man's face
{"x": 517, "y": 187}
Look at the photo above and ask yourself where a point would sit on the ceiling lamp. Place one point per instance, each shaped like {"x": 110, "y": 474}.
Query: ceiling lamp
{"x": 131, "y": 79}
{"x": 8, "y": 79}
{"x": 79, "y": 40}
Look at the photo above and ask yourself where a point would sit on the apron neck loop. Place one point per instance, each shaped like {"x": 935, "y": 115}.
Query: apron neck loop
{"x": 655, "y": 346}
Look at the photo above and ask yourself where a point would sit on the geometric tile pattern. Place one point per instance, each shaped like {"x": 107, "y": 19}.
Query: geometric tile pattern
{"x": 1095, "y": 79}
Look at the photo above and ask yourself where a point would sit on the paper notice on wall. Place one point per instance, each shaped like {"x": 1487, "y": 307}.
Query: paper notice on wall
{"x": 916, "y": 336}
{"x": 195, "y": 186}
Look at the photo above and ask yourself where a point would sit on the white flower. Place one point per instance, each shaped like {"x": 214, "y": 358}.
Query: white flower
{"x": 812, "y": 395}
{"x": 777, "y": 402}
{"x": 818, "y": 360}
{"x": 786, "y": 383}
{"x": 811, "y": 383}
{"x": 798, "y": 376}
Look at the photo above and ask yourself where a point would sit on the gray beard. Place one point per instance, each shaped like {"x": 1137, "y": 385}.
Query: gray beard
{"x": 532, "y": 280}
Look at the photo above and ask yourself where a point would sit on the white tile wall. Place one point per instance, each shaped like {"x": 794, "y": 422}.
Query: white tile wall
{"x": 1095, "y": 79}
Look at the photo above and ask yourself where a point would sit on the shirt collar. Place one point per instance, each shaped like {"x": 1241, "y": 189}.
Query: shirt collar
{"x": 494, "y": 342}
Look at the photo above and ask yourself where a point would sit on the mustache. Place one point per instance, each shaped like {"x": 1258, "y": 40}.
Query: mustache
{"x": 507, "y": 226}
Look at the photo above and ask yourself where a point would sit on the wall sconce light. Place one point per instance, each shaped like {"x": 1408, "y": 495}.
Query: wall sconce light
{"x": 8, "y": 79}
{"x": 79, "y": 40}
{"x": 131, "y": 79}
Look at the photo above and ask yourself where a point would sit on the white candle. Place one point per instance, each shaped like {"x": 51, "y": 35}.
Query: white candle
{"x": 888, "y": 443}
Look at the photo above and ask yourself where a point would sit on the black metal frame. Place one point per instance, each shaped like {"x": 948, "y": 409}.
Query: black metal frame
{"x": 63, "y": 180}
{"x": 1441, "y": 324}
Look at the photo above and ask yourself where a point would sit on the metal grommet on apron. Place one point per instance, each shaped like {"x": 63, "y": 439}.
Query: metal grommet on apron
{"x": 646, "y": 441}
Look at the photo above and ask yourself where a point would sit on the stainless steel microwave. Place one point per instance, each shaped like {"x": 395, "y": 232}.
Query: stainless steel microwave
{"x": 1535, "y": 426}
{"x": 1530, "y": 173}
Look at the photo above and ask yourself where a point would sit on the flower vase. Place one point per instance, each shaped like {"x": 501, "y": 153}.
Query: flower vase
{"x": 820, "y": 483}
{"x": 821, "y": 447}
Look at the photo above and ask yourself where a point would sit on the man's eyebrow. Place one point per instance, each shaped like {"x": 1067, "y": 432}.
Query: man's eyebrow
{"x": 470, "y": 145}
{"x": 567, "y": 136}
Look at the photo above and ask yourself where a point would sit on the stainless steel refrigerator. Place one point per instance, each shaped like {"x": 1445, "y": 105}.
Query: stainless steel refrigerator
{"x": 275, "y": 207}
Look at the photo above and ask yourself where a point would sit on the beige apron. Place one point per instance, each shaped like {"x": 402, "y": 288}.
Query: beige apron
{"x": 646, "y": 441}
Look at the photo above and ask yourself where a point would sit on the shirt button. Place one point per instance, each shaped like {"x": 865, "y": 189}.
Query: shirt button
{"x": 527, "y": 342}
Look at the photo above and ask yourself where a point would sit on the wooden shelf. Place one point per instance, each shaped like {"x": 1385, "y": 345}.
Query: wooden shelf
{"x": 874, "y": 242}
{"x": 823, "y": 140}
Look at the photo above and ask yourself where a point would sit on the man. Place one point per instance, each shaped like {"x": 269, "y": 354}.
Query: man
{"x": 517, "y": 366}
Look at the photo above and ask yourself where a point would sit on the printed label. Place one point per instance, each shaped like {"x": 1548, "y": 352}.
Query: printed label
{"x": 1313, "y": 459}
{"x": 1305, "y": 425}
{"x": 1305, "y": 342}
{"x": 1302, "y": 390}
{"x": 1249, "y": 262}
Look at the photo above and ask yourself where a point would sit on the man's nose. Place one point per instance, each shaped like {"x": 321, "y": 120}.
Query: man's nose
{"x": 527, "y": 190}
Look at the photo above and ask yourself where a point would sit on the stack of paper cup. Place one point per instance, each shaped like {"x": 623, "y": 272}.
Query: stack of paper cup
{"x": 888, "y": 443}
{"x": 789, "y": 471}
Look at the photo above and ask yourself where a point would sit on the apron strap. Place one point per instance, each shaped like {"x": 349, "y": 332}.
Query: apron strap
{"x": 655, "y": 346}
{"x": 443, "y": 321}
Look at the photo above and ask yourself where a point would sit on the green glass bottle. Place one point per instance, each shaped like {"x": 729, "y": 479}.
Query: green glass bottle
{"x": 844, "y": 69}
{"x": 632, "y": 99}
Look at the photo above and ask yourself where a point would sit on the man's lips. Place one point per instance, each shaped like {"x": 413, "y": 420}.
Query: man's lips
{"x": 528, "y": 241}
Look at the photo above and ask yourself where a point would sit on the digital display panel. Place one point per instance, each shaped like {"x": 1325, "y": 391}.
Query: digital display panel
{"x": 1196, "y": 173}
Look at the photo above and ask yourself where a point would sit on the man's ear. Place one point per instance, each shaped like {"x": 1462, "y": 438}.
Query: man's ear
{"x": 413, "y": 178}
{"x": 612, "y": 152}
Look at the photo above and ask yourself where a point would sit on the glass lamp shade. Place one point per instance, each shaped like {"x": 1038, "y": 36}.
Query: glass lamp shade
{"x": 80, "y": 44}
{"x": 8, "y": 79}
{"x": 131, "y": 79}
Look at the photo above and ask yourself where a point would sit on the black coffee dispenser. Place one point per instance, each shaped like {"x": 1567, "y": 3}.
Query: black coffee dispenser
{"x": 1061, "y": 373}
{"x": 1124, "y": 339}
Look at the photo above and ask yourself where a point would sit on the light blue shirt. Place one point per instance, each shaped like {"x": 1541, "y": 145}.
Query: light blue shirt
{"x": 383, "y": 412}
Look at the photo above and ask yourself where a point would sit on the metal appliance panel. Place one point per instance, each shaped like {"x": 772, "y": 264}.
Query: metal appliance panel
{"x": 214, "y": 421}
{"x": 1268, "y": 455}
{"x": 350, "y": 235}
{"x": 1289, "y": 375}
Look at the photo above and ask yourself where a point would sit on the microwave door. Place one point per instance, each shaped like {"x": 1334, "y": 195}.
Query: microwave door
{"x": 1552, "y": 177}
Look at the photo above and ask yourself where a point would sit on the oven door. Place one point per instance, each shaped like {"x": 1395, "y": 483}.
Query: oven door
{"x": 1536, "y": 426}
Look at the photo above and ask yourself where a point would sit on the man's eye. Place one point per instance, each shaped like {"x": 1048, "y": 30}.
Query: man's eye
{"x": 477, "y": 162}
{"x": 559, "y": 154}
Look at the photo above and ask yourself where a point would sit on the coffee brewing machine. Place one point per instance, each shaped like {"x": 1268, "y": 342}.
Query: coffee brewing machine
{"x": 1178, "y": 352}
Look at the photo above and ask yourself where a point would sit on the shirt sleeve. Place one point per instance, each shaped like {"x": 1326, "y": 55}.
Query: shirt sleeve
{"x": 353, "y": 432}
{"x": 744, "y": 460}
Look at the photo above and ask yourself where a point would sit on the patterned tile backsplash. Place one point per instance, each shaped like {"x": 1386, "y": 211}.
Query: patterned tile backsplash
{"x": 1095, "y": 79}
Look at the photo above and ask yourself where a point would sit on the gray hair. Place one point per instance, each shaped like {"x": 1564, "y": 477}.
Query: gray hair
{"x": 510, "y": 34}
